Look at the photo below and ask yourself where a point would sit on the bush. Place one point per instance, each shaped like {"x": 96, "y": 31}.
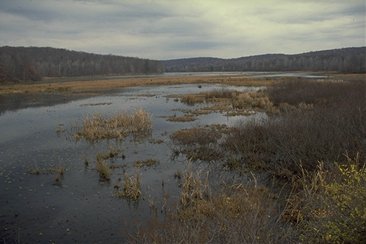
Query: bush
{"x": 330, "y": 205}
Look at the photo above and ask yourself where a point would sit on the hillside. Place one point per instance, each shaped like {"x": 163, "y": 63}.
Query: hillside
{"x": 341, "y": 60}
{"x": 34, "y": 63}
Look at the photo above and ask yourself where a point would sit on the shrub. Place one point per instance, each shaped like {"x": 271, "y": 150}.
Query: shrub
{"x": 323, "y": 133}
{"x": 330, "y": 205}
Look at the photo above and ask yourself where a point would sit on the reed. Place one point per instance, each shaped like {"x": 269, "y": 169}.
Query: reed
{"x": 97, "y": 127}
{"x": 131, "y": 188}
{"x": 103, "y": 169}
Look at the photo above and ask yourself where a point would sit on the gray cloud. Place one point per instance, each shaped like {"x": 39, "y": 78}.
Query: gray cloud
{"x": 164, "y": 29}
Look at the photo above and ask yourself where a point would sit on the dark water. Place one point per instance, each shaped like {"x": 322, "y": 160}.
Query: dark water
{"x": 82, "y": 209}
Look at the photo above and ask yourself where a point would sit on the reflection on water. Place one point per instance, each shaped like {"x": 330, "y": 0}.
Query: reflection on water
{"x": 81, "y": 208}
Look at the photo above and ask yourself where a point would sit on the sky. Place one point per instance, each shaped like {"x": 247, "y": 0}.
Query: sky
{"x": 167, "y": 29}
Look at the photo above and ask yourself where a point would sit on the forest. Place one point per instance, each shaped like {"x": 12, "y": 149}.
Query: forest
{"x": 23, "y": 64}
{"x": 348, "y": 60}
{"x": 35, "y": 63}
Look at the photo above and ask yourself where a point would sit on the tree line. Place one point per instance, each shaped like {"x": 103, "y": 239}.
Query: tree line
{"x": 34, "y": 63}
{"x": 341, "y": 60}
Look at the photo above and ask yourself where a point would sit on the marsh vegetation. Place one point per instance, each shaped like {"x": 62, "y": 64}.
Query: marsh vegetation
{"x": 307, "y": 161}
{"x": 131, "y": 188}
{"x": 96, "y": 127}
{"x": 283, "y": 163}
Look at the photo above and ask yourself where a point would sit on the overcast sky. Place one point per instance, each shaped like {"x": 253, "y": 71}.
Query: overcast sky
{"x": 165, "y": 29}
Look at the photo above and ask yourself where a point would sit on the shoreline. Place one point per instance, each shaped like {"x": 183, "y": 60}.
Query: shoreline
{"x": 102, "y": 85}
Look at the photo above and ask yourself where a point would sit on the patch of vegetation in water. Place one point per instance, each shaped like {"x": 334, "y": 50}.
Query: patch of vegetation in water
{"x": 47, "y": 170}
{"x": 119, "y": 126}
{"x": 146, "y": 163}
{"x": 229, "y": 102}
{"x": 57, "y": 171}
{"x": 183, "y": 118}
{"x": 131, "y": 187}
{"x": 103, "y": 170}
{"x": 109, "y": 154}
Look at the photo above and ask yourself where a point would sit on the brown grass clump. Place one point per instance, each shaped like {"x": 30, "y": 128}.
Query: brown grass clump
{"x": 194, "y": 189}
{"x": 252, "y": 100}
{"x": 140, "y": 123}
{"x": 183, "y": 118}
{"x": 97, "y": 127}
{"x": 103, "y": 169}
{"x": 146, "y": 163}
{"x": 192, "y": 99}
{"x": 111, "y": 153}
{"x": 60, "y": 170}
{"x": 57, "y": 171}
{"x": 230, "y": 102}
{"x": 131, "y": 188}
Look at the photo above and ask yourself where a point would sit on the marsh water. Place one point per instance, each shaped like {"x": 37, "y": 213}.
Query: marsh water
{"x": 79, "y": 207}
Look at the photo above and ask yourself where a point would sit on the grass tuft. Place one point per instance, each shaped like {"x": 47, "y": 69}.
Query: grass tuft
{"x": 146, "y": 163}
{"x": 103, "y": 169}
{"x": 131, "y": 188}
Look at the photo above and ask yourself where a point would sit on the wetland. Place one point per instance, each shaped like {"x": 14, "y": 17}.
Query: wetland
{"x": 166, "y": 159}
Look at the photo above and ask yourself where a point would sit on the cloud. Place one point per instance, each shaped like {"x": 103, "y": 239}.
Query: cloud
{"x": 163, "y": 29}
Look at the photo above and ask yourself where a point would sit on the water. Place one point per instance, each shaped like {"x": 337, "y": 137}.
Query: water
{"x": 81, "y": 208}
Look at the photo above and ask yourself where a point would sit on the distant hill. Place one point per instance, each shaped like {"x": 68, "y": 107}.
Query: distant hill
{"x": 33, "y": 63}
{"x": 341, "y": 60}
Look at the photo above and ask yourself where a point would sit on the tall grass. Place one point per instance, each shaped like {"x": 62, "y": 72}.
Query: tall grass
{"x": 131, "y": 188}
{"x": 323, "y": 206}
{"x": 97, "y": 127}
{"x": 234, "y": 214}
{"x": 103, "y": 169}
